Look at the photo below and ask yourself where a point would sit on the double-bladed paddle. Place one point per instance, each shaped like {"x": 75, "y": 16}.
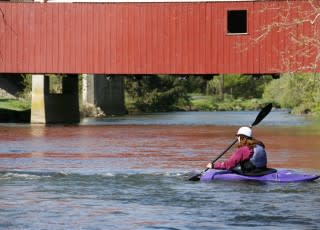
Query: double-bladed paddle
{"x": 262, "y": 114}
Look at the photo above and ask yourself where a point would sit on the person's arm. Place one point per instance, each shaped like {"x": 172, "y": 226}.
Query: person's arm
{"x": 241, "y": 154}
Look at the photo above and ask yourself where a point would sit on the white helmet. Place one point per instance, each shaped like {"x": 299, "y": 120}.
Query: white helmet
{"x": 245, "y": 131}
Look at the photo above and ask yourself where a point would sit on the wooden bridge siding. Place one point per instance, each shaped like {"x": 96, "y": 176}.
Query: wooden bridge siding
{"x": 136, "y": 38}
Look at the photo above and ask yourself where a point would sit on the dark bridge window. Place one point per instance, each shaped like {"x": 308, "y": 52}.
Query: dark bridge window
{"x": 237, "y": 22}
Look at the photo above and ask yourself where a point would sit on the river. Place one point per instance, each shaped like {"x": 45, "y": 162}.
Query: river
{"x": 130, "y": 173}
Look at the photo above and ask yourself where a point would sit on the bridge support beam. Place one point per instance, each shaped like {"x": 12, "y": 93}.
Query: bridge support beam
{"x": 47, "y": 107}
{"x": 106, "y": 92}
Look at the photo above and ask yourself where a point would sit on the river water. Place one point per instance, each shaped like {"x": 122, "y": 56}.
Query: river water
{"x": 130, "y": 173}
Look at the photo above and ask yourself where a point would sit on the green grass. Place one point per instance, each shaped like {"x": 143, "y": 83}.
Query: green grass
{"x": 203, "y": 103}
{"x": 14, "y": 104}
{"x": 210, "y": 103}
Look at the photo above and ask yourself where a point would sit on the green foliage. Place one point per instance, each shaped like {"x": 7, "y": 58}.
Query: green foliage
{"x": 211, "y": 103}
{"x": 239, "y": 86}
{"x": 298, "y": 92}
{"x": 197, "y": 84}
{"x": 14, "y": 104}
{"x": 167, "y": 93}
{"x": 156, "y": 93}
{"x": 27, "y": 82}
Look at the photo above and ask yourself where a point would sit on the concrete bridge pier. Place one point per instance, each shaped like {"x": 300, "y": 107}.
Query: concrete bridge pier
{"x": 49, "y": 107}
{"x": 106, "y": 92}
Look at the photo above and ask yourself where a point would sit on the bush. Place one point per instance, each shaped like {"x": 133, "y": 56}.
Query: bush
{"x": 157, "y": 93}
{"x": 298, "y": 92}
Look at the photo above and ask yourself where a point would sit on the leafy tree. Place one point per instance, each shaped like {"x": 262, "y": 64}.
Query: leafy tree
{"x": 239, "y": 86}
{"x": 298, "y": 92}
{"x": 157, "y": 92}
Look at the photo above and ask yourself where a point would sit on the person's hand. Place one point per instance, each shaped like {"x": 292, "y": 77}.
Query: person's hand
{"x": 209, "y": 165}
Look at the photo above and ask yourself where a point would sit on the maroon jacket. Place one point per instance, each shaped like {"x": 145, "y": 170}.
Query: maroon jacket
{"x": 243, "y": 153}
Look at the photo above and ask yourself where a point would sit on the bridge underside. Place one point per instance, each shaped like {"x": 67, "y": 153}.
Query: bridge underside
{"x": 62, "y": 107}
{"x": 50, "y": 106}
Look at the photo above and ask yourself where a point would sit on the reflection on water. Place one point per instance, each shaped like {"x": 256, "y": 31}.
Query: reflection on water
{"x": 128, "y": 173}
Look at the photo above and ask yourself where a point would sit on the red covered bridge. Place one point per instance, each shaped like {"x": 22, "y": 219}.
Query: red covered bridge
{"x": 191, "y": 37}
{"x": 159, "y": 37}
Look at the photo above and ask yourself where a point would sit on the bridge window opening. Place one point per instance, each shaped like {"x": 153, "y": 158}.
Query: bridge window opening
{"x": 237, "y": 22}
{"x": 55, "y": 84}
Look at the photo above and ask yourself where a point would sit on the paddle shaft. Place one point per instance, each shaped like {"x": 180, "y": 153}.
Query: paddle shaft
{"x": 221, "y": 154}
{"x": 226, "y": 150}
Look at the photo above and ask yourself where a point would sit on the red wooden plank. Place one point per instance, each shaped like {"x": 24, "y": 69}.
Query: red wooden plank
{"x": 131, "y": 39}
{"x": 112, "y": 48}
{"x": 43, "y": 38}
{"x": 118, "y": 37}
{"x": 72, "y": 35}
{"x": 173, "y": 39}
{"x": 65, "y": 35}
{"x": 9, "y": 33}
{"x": 67, "y": 39}
{"x": 185, "y": 38}
{"x": 257, "y": 27}
{"x": 309, "y": 56}
{"x": 15, "y": 39}
{"x": 202, "y": 38}
{"x": 83, "y": 39}
{"x": 122, "y": 44}
{"x": 171, "y": 22}
{"x": 126, "y": 19}
{"x": 28, "y": 30}
{"x": 206, "y": 39}
{"x": 2, "y": 40}
{"x": 248, "y": 42}
{"x": 197, "y": 39}
{"x": 223, "y": 51}
{"x": 155, "y": 46}
{"x": 158, "y": 42}
{"x": 90, "y": 36}
{"x": 49, "y": 40}
{"x": 38, "y": 40}
{"x": 165, "y": 25}
{"x": 268, "y": 43}
{"x": 149, "y": 38}
{"x": 95, "y": 42}
{"x": 60, "y": 33}
{"x": 275, "y": 43}
{"x": 53, "y": 33}
{"x": 161, "y": 60}
{"x": 76, "y": 39}
{"x": 215, "y": 47}
{"x": 192, "y": 38}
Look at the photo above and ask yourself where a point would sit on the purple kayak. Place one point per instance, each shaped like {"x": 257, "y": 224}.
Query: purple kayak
{"x": 280, "y": 175}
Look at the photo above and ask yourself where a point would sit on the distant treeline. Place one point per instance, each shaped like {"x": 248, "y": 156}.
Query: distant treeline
{"x": 158, "y": 93}
{"x": 299, "y": 93}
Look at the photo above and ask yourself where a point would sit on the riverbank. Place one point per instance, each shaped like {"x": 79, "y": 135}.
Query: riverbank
{"x": 14, "y": 110}
{"x": 17, "y": 110}
{"x": 210, "y": 103}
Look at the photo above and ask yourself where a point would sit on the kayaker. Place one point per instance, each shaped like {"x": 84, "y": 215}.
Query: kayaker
{"x": 250, "y": 155}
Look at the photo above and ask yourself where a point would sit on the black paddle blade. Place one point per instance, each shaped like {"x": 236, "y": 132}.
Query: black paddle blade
{"x": 263, "y": 113}
{"x": 195, "y": 177}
